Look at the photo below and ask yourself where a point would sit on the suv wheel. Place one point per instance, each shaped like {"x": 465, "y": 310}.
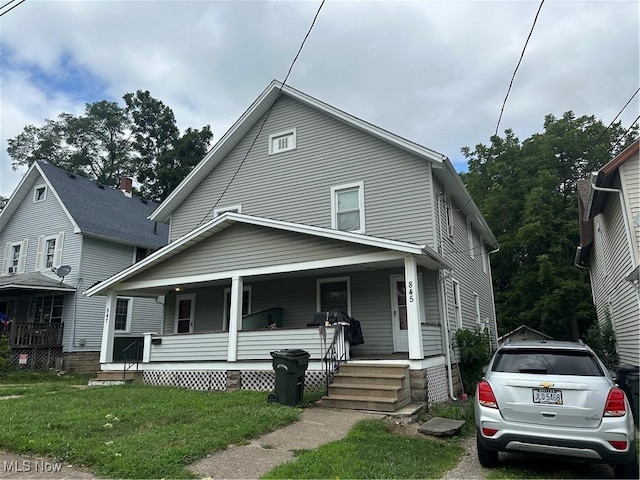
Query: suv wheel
{"x": 488, "y": 458}
{"x": 629, "y": 470}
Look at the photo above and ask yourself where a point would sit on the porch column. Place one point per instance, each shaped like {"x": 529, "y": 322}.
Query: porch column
{"x": 235, "y": 317}
{"x": 108, "y": 328}
{"x": 414, "y": 329}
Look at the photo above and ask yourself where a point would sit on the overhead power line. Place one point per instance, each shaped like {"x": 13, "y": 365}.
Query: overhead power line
{"x": 9, "y": 3}
{"x": 265, "y": 118}
{"x": 612, "y": 122}
{"x": 518, "y": 66}
{"x": 622, "y": 137}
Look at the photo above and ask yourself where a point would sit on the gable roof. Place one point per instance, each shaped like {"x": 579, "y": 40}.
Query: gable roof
{"x": 444, "y": 169}
{"x": 227, "y": 219}
{"x": 93, "y": 209}
{"x": 524, "y": 327}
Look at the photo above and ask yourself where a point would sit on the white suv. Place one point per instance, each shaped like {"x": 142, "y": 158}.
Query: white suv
{"x": 554, "y": 398}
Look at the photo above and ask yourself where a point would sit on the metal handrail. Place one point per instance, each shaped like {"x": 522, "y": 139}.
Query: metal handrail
{"x": 130, "y": 362}
{"x": 332, "y": 358}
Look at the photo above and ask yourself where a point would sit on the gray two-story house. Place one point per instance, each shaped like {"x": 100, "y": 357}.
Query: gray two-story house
{"x": 62, "y": 233}
{"x": 298, "y": 211}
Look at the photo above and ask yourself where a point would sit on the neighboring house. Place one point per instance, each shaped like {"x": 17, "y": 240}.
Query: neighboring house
{"x": 523, "y": 333}
{"x": 60, "y": 234}
{"x": 302, "y": 208}
{"x": 609, "y": 208}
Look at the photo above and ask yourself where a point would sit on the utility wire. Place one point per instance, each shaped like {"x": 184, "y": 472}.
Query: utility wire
{"x": 612, "y": 122}
{"x": 265, "y": 118}
{"x": 518, "y": 66}
{"x": 622, "y": 137}
{"x": 9, "y": 3}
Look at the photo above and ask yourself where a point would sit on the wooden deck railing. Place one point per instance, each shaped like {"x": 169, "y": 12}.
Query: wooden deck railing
{"x": 35, "y": 334}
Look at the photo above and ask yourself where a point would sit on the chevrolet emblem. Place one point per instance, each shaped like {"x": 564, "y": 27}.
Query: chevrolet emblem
{"x": 546, "y": 384}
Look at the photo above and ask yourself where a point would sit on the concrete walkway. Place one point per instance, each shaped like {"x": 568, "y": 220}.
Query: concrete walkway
{"x": 315, "y": 427}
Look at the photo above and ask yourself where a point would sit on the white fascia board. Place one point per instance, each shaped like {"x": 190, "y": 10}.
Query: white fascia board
{"x": 593, "y": 179}
{"x": 214, "y": 156}
{"x": 76, "y": 228}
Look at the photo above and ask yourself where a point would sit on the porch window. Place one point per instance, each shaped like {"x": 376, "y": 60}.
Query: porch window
{"x": 456, "y": 304}
{"x": 334, "y": 294}
{"x": 185, "y": 313}
{"x": 47, "y": 309}
{"x": 123, "y": 314}
{"x": 347, "y": 207}
{"x": 246, "y": 304}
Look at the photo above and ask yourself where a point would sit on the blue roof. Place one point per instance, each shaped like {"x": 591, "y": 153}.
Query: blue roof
{"x": 105, "y": 211}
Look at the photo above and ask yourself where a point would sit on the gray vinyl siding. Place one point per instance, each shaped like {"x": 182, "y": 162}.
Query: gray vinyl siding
{"x": 100, "y": 260}
{"x": 295, "y": 185}
{"x": 432, "y": 329}
{"x": 630, "y": 175}
{"x": 29, "y": 221}
{"x": 611, "y": 263}
{"x": 467, "y": 271}
{"x": 243, "y": 246}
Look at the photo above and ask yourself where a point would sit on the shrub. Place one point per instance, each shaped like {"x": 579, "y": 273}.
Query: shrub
{"x": 475, "y": 353}
{"x": 603, "y": 341}
{"x": 4, "y": 352}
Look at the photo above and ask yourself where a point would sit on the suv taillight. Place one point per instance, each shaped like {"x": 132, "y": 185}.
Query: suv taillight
{"x": 486, "y": 398}
{"x": 615, "y": 406}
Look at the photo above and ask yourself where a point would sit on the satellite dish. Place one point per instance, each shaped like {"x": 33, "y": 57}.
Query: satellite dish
{"x": 62, "y": 271}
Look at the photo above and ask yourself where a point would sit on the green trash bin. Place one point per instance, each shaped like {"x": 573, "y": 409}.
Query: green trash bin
{"x": 290, "y": 366}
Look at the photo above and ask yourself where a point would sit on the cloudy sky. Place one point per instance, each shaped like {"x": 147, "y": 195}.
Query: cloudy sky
{"x": 433, "y": 72}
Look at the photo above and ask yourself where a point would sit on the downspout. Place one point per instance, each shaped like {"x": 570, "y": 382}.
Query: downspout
{"x": 445, "y": 308}
{"x": 75, "y": 309}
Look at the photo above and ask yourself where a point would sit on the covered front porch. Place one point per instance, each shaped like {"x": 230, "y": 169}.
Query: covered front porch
{"x": 33, "y": 309}
{"x": 229, "y": 304}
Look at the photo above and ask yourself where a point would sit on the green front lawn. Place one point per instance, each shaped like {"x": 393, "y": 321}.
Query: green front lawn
{"x": 135, "y": 431}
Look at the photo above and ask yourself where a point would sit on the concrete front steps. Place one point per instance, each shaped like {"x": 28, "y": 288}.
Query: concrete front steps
{"x": 369, "y": 386}
{"x": 104, "y": 378}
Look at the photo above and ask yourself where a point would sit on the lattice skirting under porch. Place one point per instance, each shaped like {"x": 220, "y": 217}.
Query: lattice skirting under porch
{"x": 42, "y": 358}
{"x": 217, "y": 380}
{"x": 437, "y": 384}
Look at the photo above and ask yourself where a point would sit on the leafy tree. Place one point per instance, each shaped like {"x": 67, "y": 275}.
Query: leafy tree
{"x": 109, "y": 141}
{"x": 603, "y": 341}
{"x": 527, "y": 193}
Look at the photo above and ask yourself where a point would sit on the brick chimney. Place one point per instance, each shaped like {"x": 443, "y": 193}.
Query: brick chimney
{"x": 125, "y": 185}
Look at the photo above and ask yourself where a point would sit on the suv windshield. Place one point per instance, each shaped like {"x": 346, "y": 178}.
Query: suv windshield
{"x": 559, "y": 362}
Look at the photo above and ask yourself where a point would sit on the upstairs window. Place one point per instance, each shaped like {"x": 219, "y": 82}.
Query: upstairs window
{"x": 470, "y": 238}
{"x": 449, "y": 212}
{"x": 282, "y": 141}
{"x": 40, "y": 193}
{"x": 15, "y": 255}
{"x": 141, "y": 253}
{"x": 49, "y": 252}
{"x": 347, "y": 207}
{"x": 457, "y": 305}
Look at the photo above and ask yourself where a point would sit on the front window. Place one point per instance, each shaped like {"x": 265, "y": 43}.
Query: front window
{"x": 47, "y": 309}
{"x": 347, "y": 207}
{"x": 123, "y": 314}
{"x": 333, "y": 294}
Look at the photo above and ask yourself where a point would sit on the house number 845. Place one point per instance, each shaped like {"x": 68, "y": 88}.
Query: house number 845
{"x": 410, "y": 292}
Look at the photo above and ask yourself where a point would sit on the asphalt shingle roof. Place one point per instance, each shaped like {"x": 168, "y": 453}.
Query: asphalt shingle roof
{"x": 106, "y": 211}
{"x": 34, "y": 280}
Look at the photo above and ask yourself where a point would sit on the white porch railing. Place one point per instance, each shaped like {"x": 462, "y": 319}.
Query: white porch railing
{"x": 252, "y": 344}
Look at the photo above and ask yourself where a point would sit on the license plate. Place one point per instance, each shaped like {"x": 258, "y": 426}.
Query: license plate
{"x": 547, "y": 396}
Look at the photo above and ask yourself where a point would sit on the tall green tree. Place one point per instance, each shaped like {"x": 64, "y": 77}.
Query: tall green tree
{"x": 109, "y": 141}
{"x": 527, "y": 193}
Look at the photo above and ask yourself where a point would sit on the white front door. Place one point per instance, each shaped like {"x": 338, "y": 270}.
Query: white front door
{"x": 185, "y": 313}
{"x": 399, "y": 314}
